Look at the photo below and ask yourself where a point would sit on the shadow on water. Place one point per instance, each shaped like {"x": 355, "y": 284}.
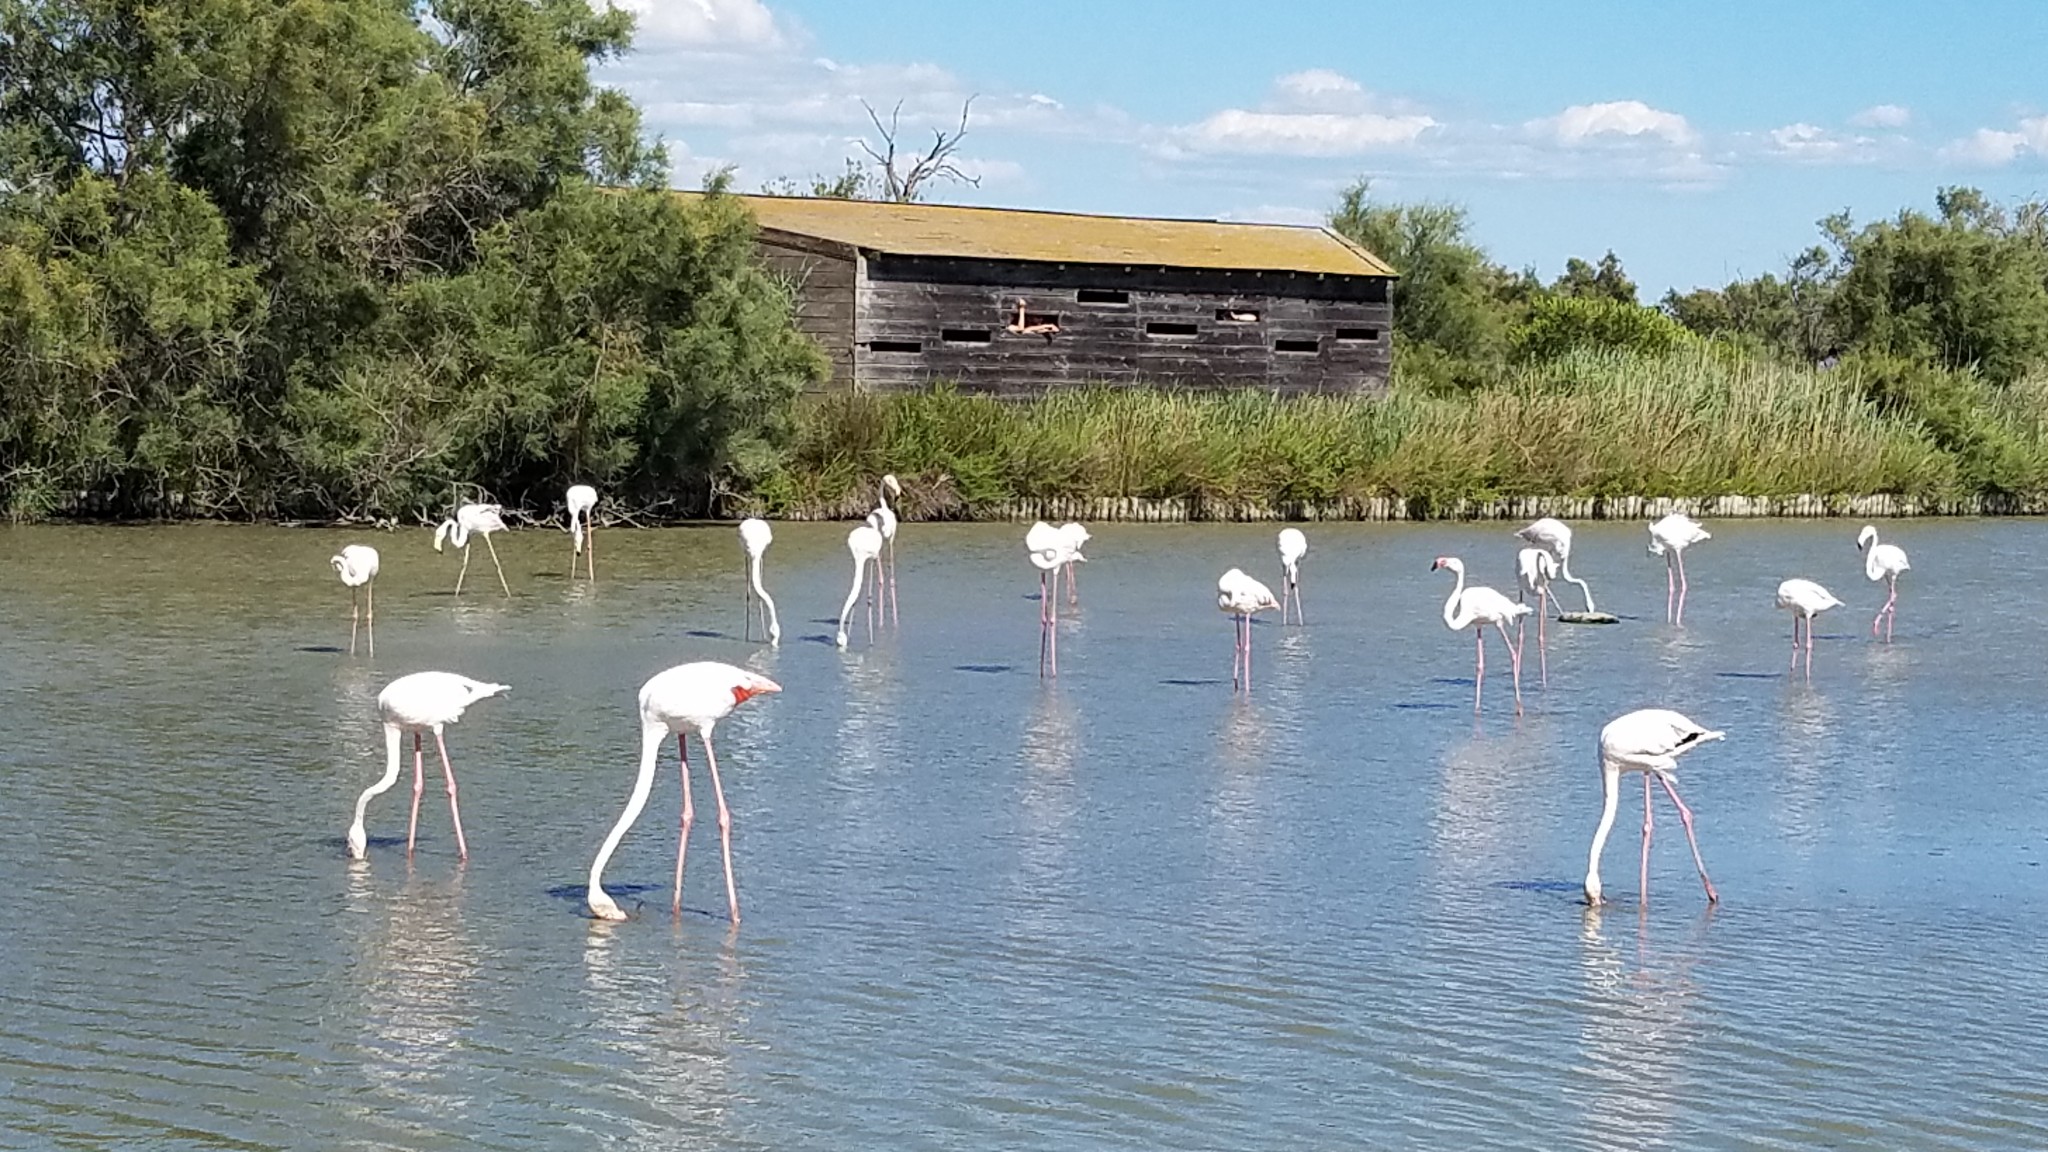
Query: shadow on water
{"x": 991, "y": 669}
{"x": 1181, "y": 682}
{"x": 1423, "y": 706}
{"x": 827, "y": 641}
{"x": 323, "y": 649}
{"x": 1750, "y": 675}
{"x": 707, "y": 634}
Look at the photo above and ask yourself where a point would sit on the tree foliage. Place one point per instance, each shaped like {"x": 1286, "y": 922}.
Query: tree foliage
{"x": 318, "y": 257}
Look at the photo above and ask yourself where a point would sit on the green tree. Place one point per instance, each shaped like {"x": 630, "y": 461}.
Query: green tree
{"x": 1603, "y": 281}
{"x": 1445, "y": 297}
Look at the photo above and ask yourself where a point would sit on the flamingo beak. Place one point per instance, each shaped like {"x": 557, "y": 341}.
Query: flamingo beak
{"x": 762, "y": 685}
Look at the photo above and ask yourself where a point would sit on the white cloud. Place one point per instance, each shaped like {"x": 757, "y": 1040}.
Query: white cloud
{"x": 1882, "y": 116}
{"x": 1313, "y": 113}
{"x": 1583, "y": 124}
{"x": 1992, "y": 147}
{"x": 732, "y": 25}
{"x": 1811, "y": 144}
{"x": 1240, "y": 132}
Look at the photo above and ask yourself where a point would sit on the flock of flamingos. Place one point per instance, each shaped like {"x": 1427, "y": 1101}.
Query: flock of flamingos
{"x": 693, "y": 698}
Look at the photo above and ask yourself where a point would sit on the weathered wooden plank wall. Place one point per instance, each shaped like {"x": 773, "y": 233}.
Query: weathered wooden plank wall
{"x": 823, "y": 276}
{"x": 919, "y": 321}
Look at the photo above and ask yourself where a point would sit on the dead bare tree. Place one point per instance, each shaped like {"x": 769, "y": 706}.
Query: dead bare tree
{"x": 936, "y": 163}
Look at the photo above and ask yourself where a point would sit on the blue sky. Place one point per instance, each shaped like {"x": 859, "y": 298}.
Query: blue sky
{"x": 1698, "y": 141}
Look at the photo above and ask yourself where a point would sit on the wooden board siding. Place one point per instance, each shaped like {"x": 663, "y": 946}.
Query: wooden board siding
{"x": 919, "y": 299}
{"x": 823, "y": 276}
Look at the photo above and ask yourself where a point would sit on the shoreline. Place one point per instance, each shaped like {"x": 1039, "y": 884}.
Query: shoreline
{"x": 1377, "y": 509}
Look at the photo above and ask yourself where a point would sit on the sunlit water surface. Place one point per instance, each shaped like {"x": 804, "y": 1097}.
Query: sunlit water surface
{"x": 1119, "y": 910}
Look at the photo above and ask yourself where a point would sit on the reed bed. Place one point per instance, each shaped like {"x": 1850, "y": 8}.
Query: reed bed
{"x": 1695, "y": 424}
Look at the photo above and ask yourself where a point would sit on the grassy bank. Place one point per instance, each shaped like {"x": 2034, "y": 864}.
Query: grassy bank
{"x": 1694, "y": 424}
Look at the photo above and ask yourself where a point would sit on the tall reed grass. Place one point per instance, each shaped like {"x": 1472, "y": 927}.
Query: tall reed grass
{"x": 1696, "y": 423}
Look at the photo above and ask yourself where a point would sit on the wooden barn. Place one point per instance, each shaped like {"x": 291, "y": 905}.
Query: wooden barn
{"x": 1017, "y": 302}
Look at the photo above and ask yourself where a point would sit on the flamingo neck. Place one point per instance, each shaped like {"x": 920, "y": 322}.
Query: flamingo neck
{"x": 1452, "y": 617}
{"x": 754, "y": 575}
{"x": 1610, "y": 786}
{"x": 652, "y": 733}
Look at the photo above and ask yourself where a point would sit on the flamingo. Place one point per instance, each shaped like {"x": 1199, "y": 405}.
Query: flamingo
{"x": 1051, "y": 550}
{"x": 1481, "y": 605}
{"x": 582, "y": 498}
{"x": 482, "y": 519}
{"x": 686, "y": 698}
{"x": 1804, "y": 598}
{"x": 1555, "y": 537}
{"x": 420, "y": 703}
{"x": 357, "y": 567}
{"x": 1669, "y": 538}
{"x": 1535, "y": 568}
{"x": 884, "y": 520}
{"x": 865, "y": 542}
{"x": 1650, "y": 741}
{"x": 1243, "y": 598}
{"x": 755, "y": 536}
{"x": 1880, "y": 562}
{"x": 1293, "y": 546}
{"x": 1077, "y": 537}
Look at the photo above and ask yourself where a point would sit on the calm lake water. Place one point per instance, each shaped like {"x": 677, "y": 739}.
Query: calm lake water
{"x": 1123, "y": 910}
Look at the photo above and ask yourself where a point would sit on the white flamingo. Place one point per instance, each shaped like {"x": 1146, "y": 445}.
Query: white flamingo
{"x": 755, "y": 536}
{"x": 865, "y": 543}
{"x": 1805, "y": 600}
{"x": 1669, "y": 538}
{"x": 1475, "y": 608}
{"x": 686, "y": 698}
{"x": 1077, "y": 538}
{"x": 1649, "y": 741}
{"x": 1243, "y": 598}
{"x": 1880, "y": 562}
{"x": 1555, "y": 537}
{"x": 1293, "y": 546}
{"x": 420, "y": 703}
{"x": 1051, "y": 550}
{"x": 481, "y": 519}
{"x": 1535, "y": 568}
{"x": 357, "y": 567}
{"x": 884, "y": 520}
{"x": 582, "y": 498}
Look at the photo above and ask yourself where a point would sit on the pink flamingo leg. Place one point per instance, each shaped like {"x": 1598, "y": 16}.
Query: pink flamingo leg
{"x": 1648, "y": 823}
{"x": 895, "y": 618}
{"x": 1685, "y": 818}
{"x": 454, "y": 807}
{"x": 1670, "y": 590}
{"x": 1052, "y": 623}
{"x": 419, "y": 784}
{"x": 732, "y": 892}
{"x": 689, "y": 818}
{"x": 1542, "y": 647}
{"x": 1680, "y": 619}
{"x": 590, "y": 550}
{"x": 1247, "y": 653}
{"x": 370, "y": 615}
{"x": 1479, "y": 680}
{"x": 353, "y": 607}
{"x": 1514, "y": 663}
{"x": 1795, "y": 643}
{"x": 1043, "y": 624}
{"x": 1809, "y": 647}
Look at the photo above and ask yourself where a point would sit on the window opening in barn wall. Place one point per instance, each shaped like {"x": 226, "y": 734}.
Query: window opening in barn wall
{"x": 1358, "y": 335}
{"x": 966, "y": 335}
{"x": 1033, "y": 323}
{"x": 1237, "y": 315}
{"x": 1297, "y": 347}
{"x": 1102, "y": 296}
{"x": 908, "y": 346}
{"x": 1171, "y": 330}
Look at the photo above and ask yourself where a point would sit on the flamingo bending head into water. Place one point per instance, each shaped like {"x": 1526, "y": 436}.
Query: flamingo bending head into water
{"x": 1475, "y": 608}
{"x": 865, "y": 543}
{"x": 1883, "y": 562}
{"x": 1243, "y": 598}
{"x": 1669, "y": 538}
{"x": 1555, "y": 537}
{"x": 581, "y": 499}
{"x": 1805, "y": 600}
{"x": 884, "y": 520}
{"x": 1052, "y": 550}
{"x": 755, "y": 536}
{"x": 357, "y": 567}
{"x": 1535, "y": 568}
{"x": 482, "y": 520}
{"x": 1649, "y": 741}
{"x": 684, "y": 699}
{"x": 1293, "y": 546}
{"x": 420, "y": 703}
